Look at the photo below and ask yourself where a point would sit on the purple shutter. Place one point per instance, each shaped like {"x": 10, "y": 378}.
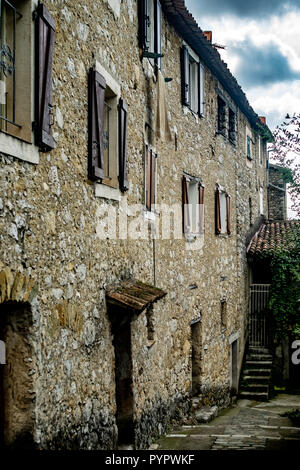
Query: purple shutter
{"x": 185, "y": 76}
{"x": 44, "y": 27}
{"x": 96, "y": 97}
{"x": 123, "y": 173}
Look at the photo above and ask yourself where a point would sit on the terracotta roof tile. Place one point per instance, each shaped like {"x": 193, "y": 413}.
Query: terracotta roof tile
{"x": 273, "y": 234}
{"x": 134, "y": 295}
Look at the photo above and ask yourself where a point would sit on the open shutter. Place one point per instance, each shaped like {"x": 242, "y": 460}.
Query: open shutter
{"x": 201, "y": 208}
{"x": 201, "y": 90}
{"x": 96, "y": 98}
{"x": 185, "y": 207}
{"x": 143, "y": 24}
{"x": 148, "y": 158}
{"x": 123, "y": 173}
{"x": 185, "y": 76}
{"x": 228, "y": 213}
{"x": 218, "y": 212}
{"x": 45, "y": 27}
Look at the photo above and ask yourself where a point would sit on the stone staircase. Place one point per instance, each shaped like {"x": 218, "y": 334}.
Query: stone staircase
{"x": 256, "y": 375}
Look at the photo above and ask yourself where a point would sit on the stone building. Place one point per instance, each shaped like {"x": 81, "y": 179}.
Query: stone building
{"x": 132, "y": 176}
{"x": 277, "y": 197}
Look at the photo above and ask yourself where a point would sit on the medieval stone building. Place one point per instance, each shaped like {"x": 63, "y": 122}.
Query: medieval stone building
{"x": 133, "y": 175}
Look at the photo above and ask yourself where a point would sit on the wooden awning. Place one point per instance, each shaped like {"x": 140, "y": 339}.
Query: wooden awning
{"x": 133, "y": 295}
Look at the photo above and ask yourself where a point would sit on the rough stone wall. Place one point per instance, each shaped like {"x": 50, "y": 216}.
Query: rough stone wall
{"x": 49, "y": 227}
{"x": 276, "y": 195}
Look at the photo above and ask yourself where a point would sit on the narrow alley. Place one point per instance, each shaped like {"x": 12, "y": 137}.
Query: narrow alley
{"x": 247, "y": 426}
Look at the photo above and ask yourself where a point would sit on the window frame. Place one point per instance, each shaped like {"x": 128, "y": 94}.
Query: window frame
{"x": 222, "y": 211}
{"x": 150, "y": 20}
{"x": 193, "y": 77}
{"x": 193, "y": 210}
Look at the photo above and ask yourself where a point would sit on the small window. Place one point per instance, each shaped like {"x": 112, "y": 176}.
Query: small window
{"x": 15, "y": 69}
{"x": 150, "y": 178}
{"x": 193, "y": 206}
{"x": 221, "y": 116}
{"x": 150, "y": 30}
{"x": 192, "y": 81}
{"x": 249, "y": 147}
{"x": 232, "y": 126}
{"x": 224, "y": 313}
{"x": 223, "y": 212}
{"x": 261, "y": 200}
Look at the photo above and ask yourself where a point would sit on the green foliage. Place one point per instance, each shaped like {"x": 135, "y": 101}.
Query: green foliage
{"x": 294, "y": 415}
{"x": 264, "y": 132}
{"x": 285, "y": 287}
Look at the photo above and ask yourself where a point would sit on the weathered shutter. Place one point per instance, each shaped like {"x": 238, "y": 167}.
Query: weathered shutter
{"x": 143, "y": 24}
{"x": 148, "y": 158}
{"x": 158, "y": 32}
{"x": 123, "y": 173}
{"x": 185, "y": 206}
{"x": 228, "y": 213}
{"x": 185, "y": 76}
{"x": 96, "y": 96}
{"x": 201, "y": 208}
{"x": 153, "y": 179}
{"x": 201, "y": 90}
{"x": 218, "y": 212}
{"x": 44, "y": 41}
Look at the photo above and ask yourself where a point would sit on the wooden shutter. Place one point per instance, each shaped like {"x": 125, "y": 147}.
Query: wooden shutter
{"x": 96, "y": 96}
{"x": 153, "y": 179}
{"x": 218, "y": 212}
{"x": 185, "y": 207}
{"x": 158, "y": 32}
{"x": 148, "y": 159}
{"x": 44, "y": 46}
{"x": 143, "y": 24}
{"x": 201, "y": 208}
{"x": 228, "y": 213}
{"x": 185, "y": 76}
{"x": 201, "y": 90}
{"x": 123, "y": 173}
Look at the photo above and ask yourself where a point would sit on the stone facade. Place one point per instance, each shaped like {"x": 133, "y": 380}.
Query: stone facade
{"x": 50, "y": 225}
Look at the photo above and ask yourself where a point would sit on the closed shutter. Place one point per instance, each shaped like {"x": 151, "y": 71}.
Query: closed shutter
{"x": 201, "y": 90}
{"x": 185, "y": 76}
{"x": 158, "y": 33}
{"x": 123, "y": 173}
{"x": 185, "y": 207}
{"x": 201, "y": 208}
{"x": 44, "y": 27}
{"x": 218, "y": 212}
{"x": 148, "y": 159}
{"x": 153, "y": 179}
{"x": 143, "y": 24}
{"x": 228, "y": 213}
{"x": 96, "y": 98}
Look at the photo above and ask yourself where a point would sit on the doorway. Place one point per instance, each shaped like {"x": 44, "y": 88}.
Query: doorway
{"x": 124, "y": 382}
{"x": 234, "y": 367}
{"x": 196, "y": 356}
{"x": 16, "y": 379}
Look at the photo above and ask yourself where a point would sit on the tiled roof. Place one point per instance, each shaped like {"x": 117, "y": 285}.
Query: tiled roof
{"x": 133, "y": 295}
{"x": 272, "y": 235}
{"x": 185, "y": 24}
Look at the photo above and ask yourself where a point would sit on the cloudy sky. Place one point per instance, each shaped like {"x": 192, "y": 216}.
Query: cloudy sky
{"x": 262, "y": 39}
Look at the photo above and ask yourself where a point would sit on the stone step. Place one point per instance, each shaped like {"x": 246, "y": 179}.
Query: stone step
{"x": 257, "y": 371}
{"x": 256, "y": 378}
{"x": 255, "y": 388}
{"x": 258, "y": 364}
{"x": 258, "y": 350}
{"x": 259, "y": 357}
{"x": 259, "y": 396}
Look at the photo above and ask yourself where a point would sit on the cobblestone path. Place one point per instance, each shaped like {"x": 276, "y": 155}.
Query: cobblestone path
{"x": 249, "y": 425}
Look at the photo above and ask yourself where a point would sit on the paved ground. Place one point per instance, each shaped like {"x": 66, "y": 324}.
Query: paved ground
{"x": 249, "y": 425}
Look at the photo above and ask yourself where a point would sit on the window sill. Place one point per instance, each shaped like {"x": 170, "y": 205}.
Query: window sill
{"x": 223, "y": 235}
{"x": 149, "y": 215}
{"x": 191, "y": 238}
{"x": 17, "y": 148}
{"x": 107, "y": 192}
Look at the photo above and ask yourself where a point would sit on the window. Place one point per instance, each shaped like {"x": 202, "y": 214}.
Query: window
{"x": 150, "y": 30}
{"x": 261, "y": 200}
{"x": 232, "y": 127}
{"x": 193, "y": 206}
{"x": 223, "y": 313}
{"x": 221, "y": 116}
{"x": 249, "y": 144}
{"x": 150, "y": 178}
{"x": 223, "y": 211}
{"x": 192, "y": 81}
{"x": 261, "y": 149}
{"x": 107, "y": 131}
